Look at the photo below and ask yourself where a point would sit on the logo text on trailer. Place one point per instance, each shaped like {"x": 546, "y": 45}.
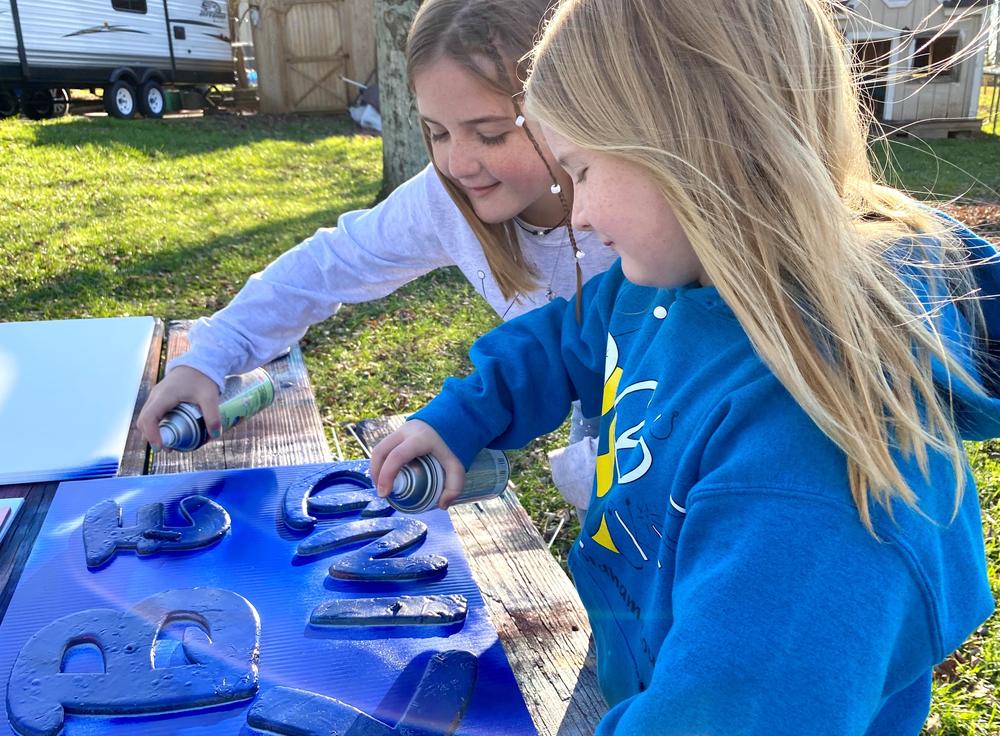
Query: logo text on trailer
{"x": 212, "y": 9}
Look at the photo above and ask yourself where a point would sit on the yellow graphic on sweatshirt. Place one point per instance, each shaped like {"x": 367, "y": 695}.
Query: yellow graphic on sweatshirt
{"x": 608, "y": 469}
{"x": 603, "y": 537}
{"x": 612, "y": 377}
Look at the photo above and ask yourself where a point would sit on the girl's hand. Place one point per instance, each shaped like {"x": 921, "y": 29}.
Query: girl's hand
{"x": 181, "y": 384}
{"x": 413, "y": 439}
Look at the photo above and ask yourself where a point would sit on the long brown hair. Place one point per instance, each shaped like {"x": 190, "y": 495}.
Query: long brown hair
{"x": 502, "y": 31}
{"x": 746, "y": 116}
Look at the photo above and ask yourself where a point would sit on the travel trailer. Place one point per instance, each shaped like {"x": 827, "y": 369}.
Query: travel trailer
{"x": 131, "y": 49}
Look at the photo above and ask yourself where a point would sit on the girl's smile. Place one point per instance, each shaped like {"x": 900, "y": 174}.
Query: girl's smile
{"x": 480, "y": 191}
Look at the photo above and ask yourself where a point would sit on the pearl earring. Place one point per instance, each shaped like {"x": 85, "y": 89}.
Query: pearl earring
{"x": 519, "y": 121}
{"x": 555, "y": 189}
{"x": 580, "y": 254}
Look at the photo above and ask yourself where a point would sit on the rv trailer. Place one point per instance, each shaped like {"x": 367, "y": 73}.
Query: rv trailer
{"x": 131, "y": 49}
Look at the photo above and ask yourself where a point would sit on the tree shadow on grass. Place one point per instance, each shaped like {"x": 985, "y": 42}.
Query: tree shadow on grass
{"x": 190, "y": 279}
{"x": 179, "y": 137}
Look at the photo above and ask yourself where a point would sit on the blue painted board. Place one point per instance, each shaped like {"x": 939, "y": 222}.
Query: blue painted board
{"x": 67, "y": 393}
{"x": 375, "y": 670}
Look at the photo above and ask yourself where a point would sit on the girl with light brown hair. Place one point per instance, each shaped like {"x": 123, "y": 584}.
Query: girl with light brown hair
{"x": 784, "y": 535}
{"x": 491, "y": 202}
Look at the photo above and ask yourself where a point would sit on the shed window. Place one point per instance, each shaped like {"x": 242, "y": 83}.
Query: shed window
{"x": 936, "y": 56}
{"x": 129, "y": 6}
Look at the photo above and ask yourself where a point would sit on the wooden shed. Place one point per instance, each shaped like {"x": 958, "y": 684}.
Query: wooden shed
{"x": 304, "y": 48}
{"x": 903, "y": 48}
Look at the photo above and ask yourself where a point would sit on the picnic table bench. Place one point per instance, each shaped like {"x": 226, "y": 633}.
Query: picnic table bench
{"x": 530, "y": 600}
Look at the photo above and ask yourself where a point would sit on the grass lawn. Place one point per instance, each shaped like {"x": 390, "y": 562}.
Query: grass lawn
{"x": 106, "y": 218}
{"x": 942, "y": 169}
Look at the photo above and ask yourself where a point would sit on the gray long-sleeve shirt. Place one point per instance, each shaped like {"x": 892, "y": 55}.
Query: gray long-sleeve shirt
{"x": 369, "y": 254}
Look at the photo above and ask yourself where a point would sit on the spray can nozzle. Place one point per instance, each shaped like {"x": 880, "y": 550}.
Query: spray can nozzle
{"x": 168, "y": 435}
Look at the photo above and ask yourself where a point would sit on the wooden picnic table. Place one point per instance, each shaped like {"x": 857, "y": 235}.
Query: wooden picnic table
{"x": 531, "y": 601}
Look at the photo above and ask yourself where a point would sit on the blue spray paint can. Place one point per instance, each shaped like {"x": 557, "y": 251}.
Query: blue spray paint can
{"x": 183, "y": 427}
{"x": 418, "y": 486}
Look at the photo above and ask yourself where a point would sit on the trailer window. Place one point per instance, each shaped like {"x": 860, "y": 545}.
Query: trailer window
{"x": 129, "y": 6}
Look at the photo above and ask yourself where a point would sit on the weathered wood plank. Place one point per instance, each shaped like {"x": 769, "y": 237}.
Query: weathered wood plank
{"x": 17, "y": 544}
{"x": 135, "y": 459}
{"x": 532, "y": 603}
{"x": 290, "y": 432}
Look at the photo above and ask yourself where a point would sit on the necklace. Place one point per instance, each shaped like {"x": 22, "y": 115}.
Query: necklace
{"x": 549, "y": 294}
{"x": 538, "y": 230}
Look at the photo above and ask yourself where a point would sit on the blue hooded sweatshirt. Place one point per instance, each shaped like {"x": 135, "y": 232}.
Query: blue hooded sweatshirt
{"x": 730, "y": 584}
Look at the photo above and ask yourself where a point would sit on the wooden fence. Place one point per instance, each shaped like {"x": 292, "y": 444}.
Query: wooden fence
{"x": 303, "y": 48}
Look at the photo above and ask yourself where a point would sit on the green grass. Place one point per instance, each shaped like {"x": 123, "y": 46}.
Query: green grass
{"x": 104, "y": 218}
{"x": 946, "y": 169}
{"x": 966, "y": 696}
{"x": 942, "y": 169}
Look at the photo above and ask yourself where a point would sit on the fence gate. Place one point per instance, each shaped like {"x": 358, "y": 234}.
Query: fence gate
{"x": 305, "y": 47}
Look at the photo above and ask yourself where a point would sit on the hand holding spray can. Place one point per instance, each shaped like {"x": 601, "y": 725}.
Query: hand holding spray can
{"x": 183, "y": 427}
{"x": 418, "y": 486}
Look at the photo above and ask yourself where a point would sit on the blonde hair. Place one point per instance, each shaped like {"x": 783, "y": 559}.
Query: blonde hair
{"x": 746, "y": 116}
{"x": 502, "y": 31}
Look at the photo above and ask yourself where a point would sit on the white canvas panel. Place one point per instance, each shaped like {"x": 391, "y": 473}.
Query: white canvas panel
{"x": 67, "y": 392}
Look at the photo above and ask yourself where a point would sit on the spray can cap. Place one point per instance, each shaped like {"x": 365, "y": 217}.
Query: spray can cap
{"x": 418, "y": 485}
{"x": 179, "y": 428}
{"x": 403, "y": 483}
{"x": 398, "y": 484}
{"x": 168, "y": 435}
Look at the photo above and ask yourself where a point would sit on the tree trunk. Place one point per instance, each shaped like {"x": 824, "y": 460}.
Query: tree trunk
{"x": 403, "y": 150}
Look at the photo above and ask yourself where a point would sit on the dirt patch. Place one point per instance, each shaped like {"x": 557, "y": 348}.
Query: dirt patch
{"x": 983, "y": 217}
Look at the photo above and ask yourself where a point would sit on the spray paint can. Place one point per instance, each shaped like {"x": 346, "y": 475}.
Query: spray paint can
{"x": 183, "y": 427}
{"x": 418, "y": 486}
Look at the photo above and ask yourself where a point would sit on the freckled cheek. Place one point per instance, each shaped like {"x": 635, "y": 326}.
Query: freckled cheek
{"x": 521, "y": 166}
{"x": 602, "y": 213}
{"x": 440, "y": 159}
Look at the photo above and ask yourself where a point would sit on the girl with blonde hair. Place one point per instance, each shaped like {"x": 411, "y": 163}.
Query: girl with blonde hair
{"x": 492, "y": 202}
{"x": 784, "y": 535}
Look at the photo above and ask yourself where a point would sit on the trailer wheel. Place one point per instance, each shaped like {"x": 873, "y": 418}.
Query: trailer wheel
{"x": 9, "y": 104}
{"x": 60, "y": 98}
{"x": 38, "y": 104}
{"x": 151, "y": 100}
{"x": 119, "y": 100}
